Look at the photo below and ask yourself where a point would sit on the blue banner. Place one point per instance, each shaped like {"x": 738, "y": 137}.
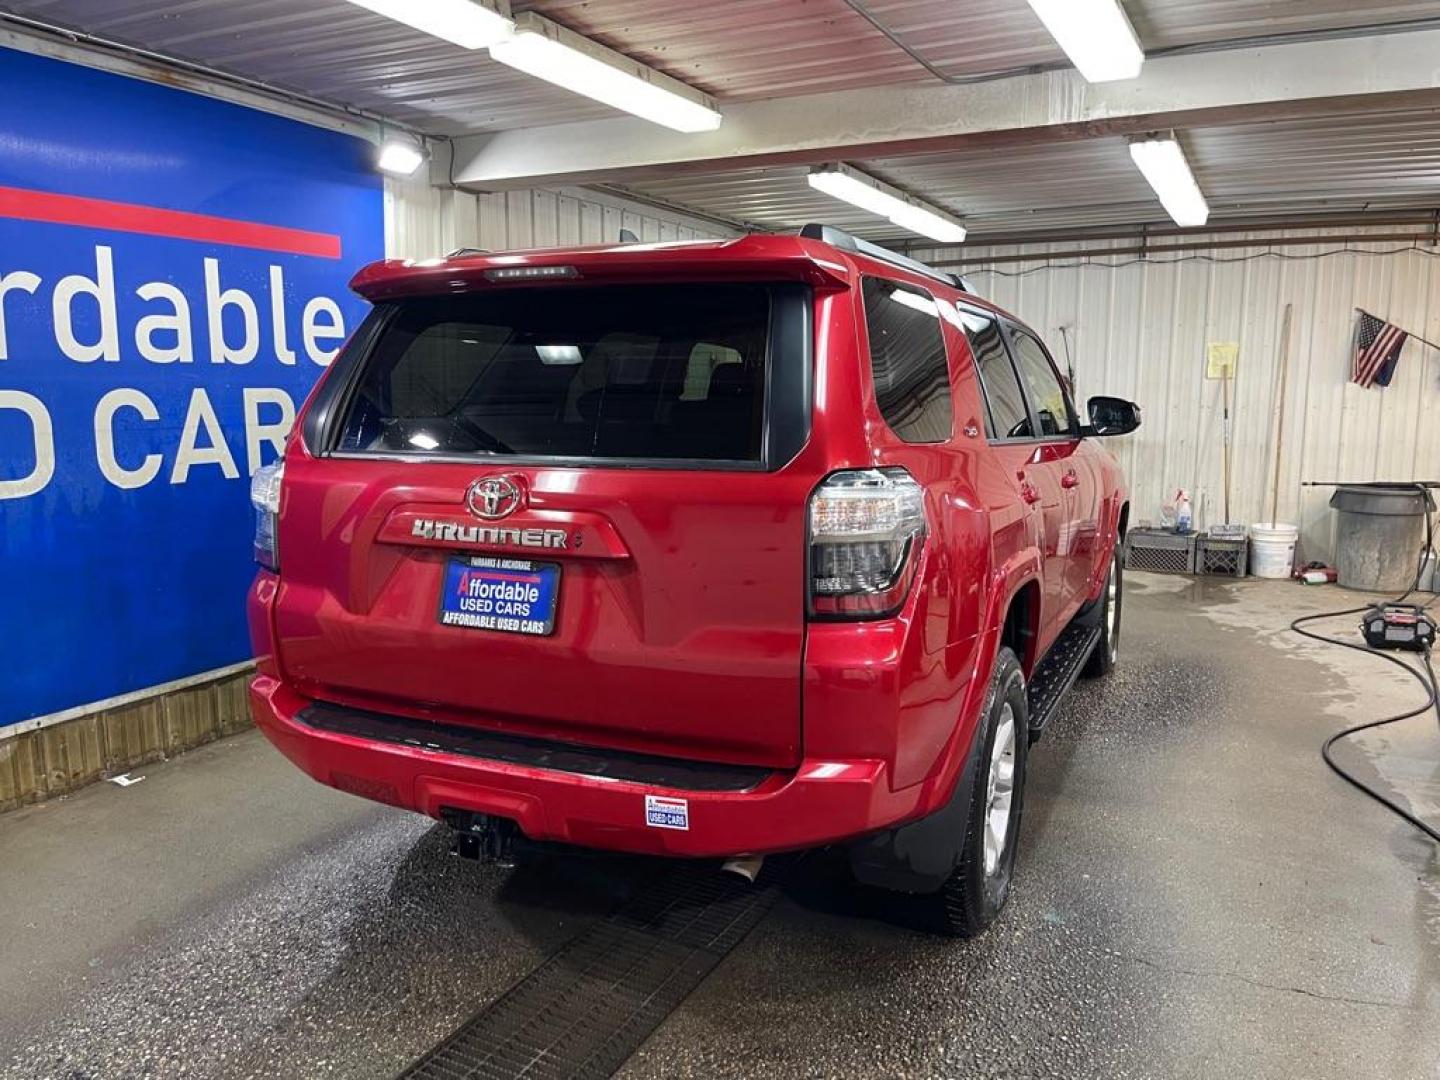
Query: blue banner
{"x": 172, "y": 281}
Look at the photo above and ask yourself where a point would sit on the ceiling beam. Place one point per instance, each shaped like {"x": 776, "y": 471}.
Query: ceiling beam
{"x": 1150, "y": 231}
{"x": 1268, "y": 83}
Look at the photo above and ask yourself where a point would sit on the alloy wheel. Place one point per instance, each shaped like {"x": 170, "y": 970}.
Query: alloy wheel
{"x": 1000, "y": 790}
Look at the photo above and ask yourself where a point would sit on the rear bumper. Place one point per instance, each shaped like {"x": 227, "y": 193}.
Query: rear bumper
{"x": 819, "y": 802}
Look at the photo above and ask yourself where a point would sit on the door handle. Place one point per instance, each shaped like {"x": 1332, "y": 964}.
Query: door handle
{"x": 1070, "y": 479}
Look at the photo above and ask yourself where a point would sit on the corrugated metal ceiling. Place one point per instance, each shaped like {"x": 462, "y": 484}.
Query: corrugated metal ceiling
{"x": 743, "y": 49}
{"x": 1332, "y": 164}
{"x": 748, "y": 49}
{"x": 331, "y": 50}
{"x": 1168, "y": 24}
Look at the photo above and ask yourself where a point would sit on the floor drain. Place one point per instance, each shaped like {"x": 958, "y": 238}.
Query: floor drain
{"x": 584, "y": 1011}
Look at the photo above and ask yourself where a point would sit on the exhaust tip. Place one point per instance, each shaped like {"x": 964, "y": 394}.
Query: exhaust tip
{"x": 746, "y": 866}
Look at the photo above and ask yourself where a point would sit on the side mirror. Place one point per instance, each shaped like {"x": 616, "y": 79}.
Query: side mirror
{"x": 1111, "y": 416}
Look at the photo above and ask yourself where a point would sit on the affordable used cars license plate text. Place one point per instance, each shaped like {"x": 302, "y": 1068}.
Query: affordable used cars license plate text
{"x": 516, "y": 596}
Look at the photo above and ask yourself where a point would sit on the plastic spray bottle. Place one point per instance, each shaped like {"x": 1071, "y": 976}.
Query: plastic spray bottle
{"x": 1183, "y": 514}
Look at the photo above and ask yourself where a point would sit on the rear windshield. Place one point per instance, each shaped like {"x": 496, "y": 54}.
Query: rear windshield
{"x": 644, "y": 371}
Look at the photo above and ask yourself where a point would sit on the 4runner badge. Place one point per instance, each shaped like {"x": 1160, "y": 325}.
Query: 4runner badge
{"x": 494, "y": 497}
{"x": 452, "y": 532}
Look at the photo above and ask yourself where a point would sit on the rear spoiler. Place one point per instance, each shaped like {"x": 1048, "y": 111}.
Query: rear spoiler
{"x": 772, "y": 258}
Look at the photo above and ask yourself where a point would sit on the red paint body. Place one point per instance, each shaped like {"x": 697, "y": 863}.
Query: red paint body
{"x": 681, "y": 629}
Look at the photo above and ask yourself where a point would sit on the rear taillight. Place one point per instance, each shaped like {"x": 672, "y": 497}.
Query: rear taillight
{"x": 265, "y": 497}
{"x": 867, "y": 527}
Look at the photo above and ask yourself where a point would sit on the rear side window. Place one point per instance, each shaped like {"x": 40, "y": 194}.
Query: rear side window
{"x": 1043, "y": 385}
{"x": 671, "y": 372}
{"x": 1008, "y": 416}
{"x": 907, "y": 361}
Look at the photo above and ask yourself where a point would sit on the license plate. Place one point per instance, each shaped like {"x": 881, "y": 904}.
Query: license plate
{"x": 515, "y": 596}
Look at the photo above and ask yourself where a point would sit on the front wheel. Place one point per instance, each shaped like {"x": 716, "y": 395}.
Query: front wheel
{"x": 1107, "y": 650}
{"x": 978, "y": 887}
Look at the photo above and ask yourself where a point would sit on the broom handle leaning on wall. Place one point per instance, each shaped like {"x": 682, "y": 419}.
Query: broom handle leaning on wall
{"x": 1280, "y": 423}
{"x": 1225, "y": 432}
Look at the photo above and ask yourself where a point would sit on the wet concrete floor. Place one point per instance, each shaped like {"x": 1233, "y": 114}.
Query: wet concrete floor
{"x": 1197, "y": 897}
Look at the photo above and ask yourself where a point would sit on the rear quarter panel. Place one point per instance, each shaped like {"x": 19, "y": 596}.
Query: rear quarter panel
{"x": 920, "y": 668}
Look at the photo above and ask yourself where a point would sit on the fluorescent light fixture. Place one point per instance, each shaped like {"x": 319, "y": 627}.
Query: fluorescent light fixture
{"x": 854, "y": 187}
{"x": 1162, "y": 161}
{"x": 1095, "y": 34}
{"x": 560, "y": 56}
{"x": 424, "y": 440}
{"x": 399, "y": 157}
{"x": 846, "y": 185}
{"x": 928, "y": 223}
{"x": 467, "y": 23}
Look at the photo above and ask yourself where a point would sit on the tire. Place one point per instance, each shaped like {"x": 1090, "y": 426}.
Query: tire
{"x": 978, "y": 887}
{"x": 1112, "y": 603}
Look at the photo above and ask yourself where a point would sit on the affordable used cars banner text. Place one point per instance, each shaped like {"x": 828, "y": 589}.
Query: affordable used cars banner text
{"x": 172, "y": 280}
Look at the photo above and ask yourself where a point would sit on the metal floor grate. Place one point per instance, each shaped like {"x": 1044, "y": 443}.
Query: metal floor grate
{"x": 584, "y": 1011}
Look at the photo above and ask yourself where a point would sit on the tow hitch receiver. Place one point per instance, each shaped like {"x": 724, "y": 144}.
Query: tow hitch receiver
{"x": 482, "y": 837}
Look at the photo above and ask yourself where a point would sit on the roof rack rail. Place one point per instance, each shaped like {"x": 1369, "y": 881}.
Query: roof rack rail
{"x": 841, "y": 239}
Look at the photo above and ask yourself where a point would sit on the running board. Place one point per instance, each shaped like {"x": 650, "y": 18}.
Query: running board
{"x": 1057, "y": 673}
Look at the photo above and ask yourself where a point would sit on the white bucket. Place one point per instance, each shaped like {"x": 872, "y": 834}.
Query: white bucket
{"x": 1272, "y": 549}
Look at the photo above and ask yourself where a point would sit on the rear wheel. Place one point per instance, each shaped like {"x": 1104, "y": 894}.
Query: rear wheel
{"x": 1107, "y": 650}
{"x": 979, "y": 885}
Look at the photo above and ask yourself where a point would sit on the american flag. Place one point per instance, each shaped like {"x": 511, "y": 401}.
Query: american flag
{"x": 1377, "y": 350}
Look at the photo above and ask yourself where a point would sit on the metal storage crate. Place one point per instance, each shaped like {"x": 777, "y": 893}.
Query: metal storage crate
{"x": 1159, "y": 550}
{"x": 1220, "y": 555}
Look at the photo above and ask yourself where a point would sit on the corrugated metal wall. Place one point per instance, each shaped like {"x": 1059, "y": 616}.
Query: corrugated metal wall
{"x": 1136, "y": 328}
{"x": 1140, "y": 330}
{"x": 423, "y": 221}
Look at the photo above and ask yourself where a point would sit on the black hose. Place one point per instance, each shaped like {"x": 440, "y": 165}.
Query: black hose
{"x": 1432, "y": 700}
{"x": 1426, "y": 679}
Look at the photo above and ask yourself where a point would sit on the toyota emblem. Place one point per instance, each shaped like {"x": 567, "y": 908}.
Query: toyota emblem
{"x": 493, "y": 497}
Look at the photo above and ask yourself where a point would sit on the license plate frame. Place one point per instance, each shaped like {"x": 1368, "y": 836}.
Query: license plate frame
{"x": 501, "y": 594}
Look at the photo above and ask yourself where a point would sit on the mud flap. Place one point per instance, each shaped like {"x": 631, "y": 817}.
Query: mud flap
{"x": 918, "y": 856}
{"x": 1091, "y": 612}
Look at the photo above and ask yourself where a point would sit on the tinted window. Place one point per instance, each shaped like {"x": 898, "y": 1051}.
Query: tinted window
{"x": 655, "y": 371}
{"x": 1042, "y": 384}
{"x": 907, "y": 361}
{"x": 1008, "y": 418}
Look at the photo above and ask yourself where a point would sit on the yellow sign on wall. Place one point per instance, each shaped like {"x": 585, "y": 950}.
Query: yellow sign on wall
{"x": 1220, "y": 358}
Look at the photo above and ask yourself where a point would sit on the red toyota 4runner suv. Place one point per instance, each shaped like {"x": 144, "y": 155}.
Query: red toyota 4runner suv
{"x": 696, "y": 549}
